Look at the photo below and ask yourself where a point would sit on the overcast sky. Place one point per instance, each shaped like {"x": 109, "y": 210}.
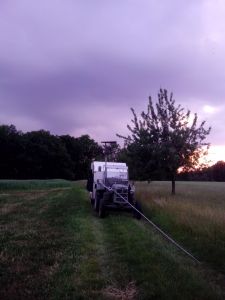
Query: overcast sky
{"x": 77, "y": 66}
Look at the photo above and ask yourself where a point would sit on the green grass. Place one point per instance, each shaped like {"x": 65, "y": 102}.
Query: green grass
{"x": 54, "y": 247}
{"x": 194, "y": 216}
{"x": 32, "y": 184}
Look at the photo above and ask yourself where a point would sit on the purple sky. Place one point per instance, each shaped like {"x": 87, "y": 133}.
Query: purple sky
{"x": 77, "y": 66}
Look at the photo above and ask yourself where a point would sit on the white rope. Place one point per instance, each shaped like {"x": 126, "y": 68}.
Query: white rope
{"x": 153, "y": 224}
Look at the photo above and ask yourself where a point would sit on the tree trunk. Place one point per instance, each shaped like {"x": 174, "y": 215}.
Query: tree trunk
{"x": 173, "y": 184}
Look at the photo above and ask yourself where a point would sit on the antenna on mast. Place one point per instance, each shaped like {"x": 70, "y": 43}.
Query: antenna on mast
{"x": 105, "y": 150}
{"x": 106, "y": 143}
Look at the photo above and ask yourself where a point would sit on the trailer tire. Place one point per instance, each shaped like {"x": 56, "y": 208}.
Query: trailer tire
{"x": 137, "y": 215}
{"x": 101, "y": 211}
{"x": 96, "y": 202}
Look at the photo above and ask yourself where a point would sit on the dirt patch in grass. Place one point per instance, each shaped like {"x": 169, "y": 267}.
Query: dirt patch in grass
{"x": 128, "y": 293}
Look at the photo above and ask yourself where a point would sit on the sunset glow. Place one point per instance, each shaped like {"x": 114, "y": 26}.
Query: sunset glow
{"x": 209, "y": 109}
{"x": 216, "y": 153}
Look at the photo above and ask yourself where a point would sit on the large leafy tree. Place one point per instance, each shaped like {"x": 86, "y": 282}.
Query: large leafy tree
{"x": 46, "y": 156}
{"x": 111, "y": 150}
{"x": 82, "y": 151}
{"x": 39, "y": 154}
{"x": 167, "y": 136}
{"x": 138, "y": 155}
{"x": 11, "y": 147}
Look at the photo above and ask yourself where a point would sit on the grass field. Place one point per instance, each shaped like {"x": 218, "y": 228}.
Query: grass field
{"x": 54, "y": 247}
{"x": 195, "y": 216}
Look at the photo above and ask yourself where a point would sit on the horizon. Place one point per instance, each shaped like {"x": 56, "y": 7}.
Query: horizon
{"x": 215, "y": 153}
{"x": 77, "y": 67}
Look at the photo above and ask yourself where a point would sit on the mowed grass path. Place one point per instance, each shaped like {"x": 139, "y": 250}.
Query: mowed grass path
{"x": 52, "y": 246}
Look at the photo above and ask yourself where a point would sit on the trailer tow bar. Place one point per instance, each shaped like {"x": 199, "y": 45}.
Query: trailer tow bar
{"x": 154, "y": 225}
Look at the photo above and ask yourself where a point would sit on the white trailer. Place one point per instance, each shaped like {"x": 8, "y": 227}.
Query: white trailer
{"x": 108, "y": 185}
{"x": 108, "y": 173}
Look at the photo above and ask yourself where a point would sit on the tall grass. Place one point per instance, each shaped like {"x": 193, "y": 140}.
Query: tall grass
{"x": 195, "y": 216}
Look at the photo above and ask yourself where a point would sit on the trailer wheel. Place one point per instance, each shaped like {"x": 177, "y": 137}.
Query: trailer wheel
{"x": 101, "y": 211}
{"x": 92, "y": 202}
{"x": 96, "y": 202}
{"x": 137, "y": 215}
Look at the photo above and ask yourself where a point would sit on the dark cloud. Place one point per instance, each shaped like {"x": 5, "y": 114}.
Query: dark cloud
{"x": 78, "y": 66}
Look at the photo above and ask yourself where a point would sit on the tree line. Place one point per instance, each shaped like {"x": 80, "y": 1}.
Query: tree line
{"x": 215, "y": 172}
{"x": 39, "y": 154}
{"x": 162, "y": 139}
{"x": 42, "y": 155}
